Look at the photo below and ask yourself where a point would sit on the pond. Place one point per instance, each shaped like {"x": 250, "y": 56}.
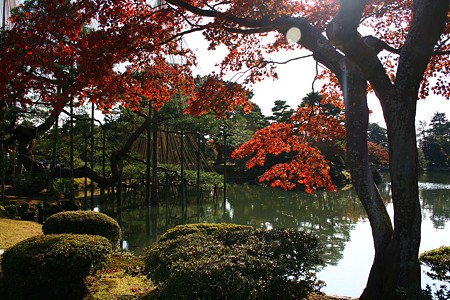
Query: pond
{"x": 337, "y": 218}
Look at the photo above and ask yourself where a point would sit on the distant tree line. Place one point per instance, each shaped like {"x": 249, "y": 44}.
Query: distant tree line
{"x": 434, "y": 142}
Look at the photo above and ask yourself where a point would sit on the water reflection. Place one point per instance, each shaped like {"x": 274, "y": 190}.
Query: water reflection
{"x": 337, "y": 218}
{"x": 435, "y": 195}
{"x": 331, "y": 216}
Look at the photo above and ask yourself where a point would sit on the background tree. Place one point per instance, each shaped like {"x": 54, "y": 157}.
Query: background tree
{"x": 377, "y": 145}
{"x": 377, "y": 134}
{"x": 333, "y": 149}
{"x": 298, "y": 151}
{"x": 439, "y": 125}
{"x": 281, "y": 112}
{"x": 435, "y": 142}
{"x": 54, "y": 55}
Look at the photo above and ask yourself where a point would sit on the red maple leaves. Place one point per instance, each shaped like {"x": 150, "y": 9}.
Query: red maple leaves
{"x": 98, "y": 51}
{"x": 218, "y": 96}
{"x": 306, "y": 165}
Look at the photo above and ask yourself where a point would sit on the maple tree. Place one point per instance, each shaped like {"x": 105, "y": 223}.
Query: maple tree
{"x": 378, "y": 154}
{"x": 408, "y": 48}
{"x": 65, "y": 53}
{"x": 51, "y": 54}
{"x": 314, "y": 123}
{"x": 377, "y": 145}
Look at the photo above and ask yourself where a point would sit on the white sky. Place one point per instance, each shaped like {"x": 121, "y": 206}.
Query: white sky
{"x": 295, "y": 80}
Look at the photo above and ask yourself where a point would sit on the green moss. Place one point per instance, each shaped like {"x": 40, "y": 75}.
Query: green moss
{"x": 122, "y": 278}
{"x": 84, "y": 222}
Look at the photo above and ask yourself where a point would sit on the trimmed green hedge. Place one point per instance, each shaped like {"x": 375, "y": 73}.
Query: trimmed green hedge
{"x": 439, "y": 262}
{"x": 217, "y": 263}
{"x": 52, "y": 266}
{"x": 84, "y": 222}
{"x": 202, "y": 228}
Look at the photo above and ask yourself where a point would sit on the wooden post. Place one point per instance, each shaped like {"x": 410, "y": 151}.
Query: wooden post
{"x": 154, "y": 187}
{"x": 183, "y": 196}
{"x": 119, "y": 197}
{"x": 224, "y": 155}
{"x": 167, "y": 147}
{"x": 102, "y": 189}
{"x": 198, "y": 167}
{"x": 92, "y": 155}
{"x": 54, "y": 151}
{"x": 2, "y": 167}
{"x": 85, "y": 178}
{"x": 148, "y": 158}
{"x": 13, "y": 164}
{"x": 72, "y": 184}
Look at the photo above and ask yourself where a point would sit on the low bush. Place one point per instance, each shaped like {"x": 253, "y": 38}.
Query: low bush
{"x": 84, "y": 222}
{"x": 439, "y": 262}
{"x": 52, "y": 266}
{"x": 236, "y": 264}
{"x": 203, "y": 228}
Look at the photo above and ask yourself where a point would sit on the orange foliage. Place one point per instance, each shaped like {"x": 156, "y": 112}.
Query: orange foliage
{"x": 378, "y": 154}
{"x": 49, "y": 55}
{"x": 308, "y": 167}
{"x": 390, "y": 20}
{"x": 220, "y": 97}
{"x": 48, "y": 49}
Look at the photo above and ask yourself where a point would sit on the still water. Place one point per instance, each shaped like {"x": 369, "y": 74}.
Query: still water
{"x": 337, "y": 218}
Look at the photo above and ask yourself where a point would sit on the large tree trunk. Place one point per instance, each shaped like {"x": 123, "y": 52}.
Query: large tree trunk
{"x": 403, "y": 273}
{"x": 357, "y": 117}
{"x": 396, "y": 269}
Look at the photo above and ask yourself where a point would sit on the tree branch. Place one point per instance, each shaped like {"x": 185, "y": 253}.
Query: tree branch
{"x": 342, "y": 31}
{"x": 428, "y": 22}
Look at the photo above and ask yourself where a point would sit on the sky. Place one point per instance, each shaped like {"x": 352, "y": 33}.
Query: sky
{"x": 295, "y": 81}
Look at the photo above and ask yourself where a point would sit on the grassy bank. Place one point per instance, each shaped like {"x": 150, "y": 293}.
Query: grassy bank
{"x": 14, "y": 231}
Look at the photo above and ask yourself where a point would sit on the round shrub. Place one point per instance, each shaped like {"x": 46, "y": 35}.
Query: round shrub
{"x": 439, "y": 262}
{"x": 202, "y": 228}
{"x": 52, "y": 266}
{"x": 84, "y": 222}
{"x": 237, "y": 264}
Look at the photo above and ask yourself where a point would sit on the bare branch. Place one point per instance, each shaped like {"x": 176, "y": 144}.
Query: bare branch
{"x": 289, "y": 60}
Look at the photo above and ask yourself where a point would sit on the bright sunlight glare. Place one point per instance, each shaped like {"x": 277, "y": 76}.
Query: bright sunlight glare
{"x": 294, "y": 34}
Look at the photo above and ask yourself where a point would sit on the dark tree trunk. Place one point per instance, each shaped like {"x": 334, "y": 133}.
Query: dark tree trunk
{"x": 404, "y": 273}
{"x": 357, "y": 117}
{"x": 395, "y": 272}
{"x": 396, "y": 269}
